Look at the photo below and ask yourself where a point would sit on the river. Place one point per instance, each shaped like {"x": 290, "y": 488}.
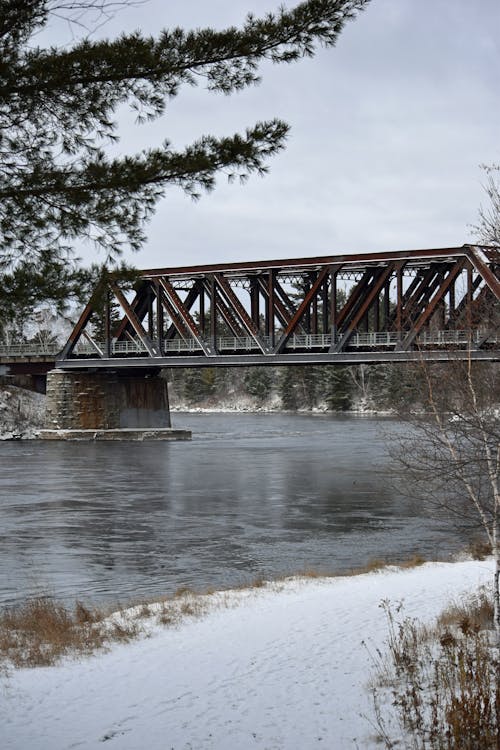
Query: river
{"x": 251, "y": 495}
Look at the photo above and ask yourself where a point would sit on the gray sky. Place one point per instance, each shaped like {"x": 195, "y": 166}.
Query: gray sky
{"x": 388, "y": 131}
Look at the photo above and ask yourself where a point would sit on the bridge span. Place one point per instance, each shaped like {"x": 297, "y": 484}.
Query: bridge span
{"x": 437, "y": 304}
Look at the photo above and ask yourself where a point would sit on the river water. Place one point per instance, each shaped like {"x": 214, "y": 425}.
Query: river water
{"x": 251, "y": 495}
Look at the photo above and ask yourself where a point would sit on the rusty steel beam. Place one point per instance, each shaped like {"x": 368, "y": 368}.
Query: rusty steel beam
{"x": 301, "y": 310}
{"x": 237, "y": 308}
{"x": 353, "y": 261}
{"x": 79, "y": 327}
{"x": 282, "y": 306}
{"x": 481, "y": 265}
{"x": 400, "y": 293}
{"x": 197, "y": 291}
{"x": 140, "y": 307}
{"x": 183, "y": 312}
{"x": 366, "y": 302}
{"x": 430, "y": 308}
{"x": 133, "y": 319}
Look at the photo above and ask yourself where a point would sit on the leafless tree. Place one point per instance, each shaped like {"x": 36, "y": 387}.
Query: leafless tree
{"x": 449, "y": 455}
{"x": 487, "y": 230}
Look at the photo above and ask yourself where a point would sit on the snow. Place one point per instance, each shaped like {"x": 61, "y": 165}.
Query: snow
{"x": 21, "y": 413}
{"x": 278, "y": 667}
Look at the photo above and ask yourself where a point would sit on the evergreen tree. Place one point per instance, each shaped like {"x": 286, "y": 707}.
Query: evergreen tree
{"x": 288, "y": 388}
{"x": 258, "y": 381}
{"x": 337, "y": 388}
{"x": 198, "y": 383}
{"x": 58, "y": 110}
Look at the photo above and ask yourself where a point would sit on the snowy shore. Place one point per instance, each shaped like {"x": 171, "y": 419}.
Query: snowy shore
{"x": 280, "y": 667}
{"x": 21, "y": 413}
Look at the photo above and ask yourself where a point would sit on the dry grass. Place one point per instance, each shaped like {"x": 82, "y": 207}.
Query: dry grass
{"x": 473, "y": 613}
{"x": 478, "y": 549}
{"x": 375, "y": 565}
{"x": 413, "y": 562}
{"x": 41, "y": 631}
{"x": 438, "y": 688}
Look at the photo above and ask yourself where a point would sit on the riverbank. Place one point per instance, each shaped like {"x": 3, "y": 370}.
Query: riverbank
{"x": 21, "y": 413}
{"x": 281, "y": 667}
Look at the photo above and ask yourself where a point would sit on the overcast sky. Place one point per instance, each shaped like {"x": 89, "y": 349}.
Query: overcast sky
{"x": 388, "y": 131}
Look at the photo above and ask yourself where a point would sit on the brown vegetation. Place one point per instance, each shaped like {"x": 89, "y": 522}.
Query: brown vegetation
{"x": 439, "y": 688}
{"x": 41, "y": 631}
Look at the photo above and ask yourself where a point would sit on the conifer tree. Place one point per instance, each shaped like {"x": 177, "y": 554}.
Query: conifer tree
{"x": 58, "y": 110}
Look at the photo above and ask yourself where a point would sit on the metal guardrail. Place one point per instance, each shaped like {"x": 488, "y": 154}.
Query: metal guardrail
{"x": 298, "y": 342}
{"x": 248, "y": 344}
{"x": 29, "y": 350}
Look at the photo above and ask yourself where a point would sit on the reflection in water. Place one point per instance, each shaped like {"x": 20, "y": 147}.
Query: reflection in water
{"x": 252, "y": 494}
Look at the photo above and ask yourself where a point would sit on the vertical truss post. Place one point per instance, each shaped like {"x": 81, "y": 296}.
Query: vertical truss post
{"x": 107, "y": 324}
{"x": 387, "y": 305}
{"x": 399, "y": 302}
{"x": 203, "y": 324}
{"x": 324, "y": 308}
{"x": 469, "y": 294}
{"x": 306, "y": 320}
{"x": 451, "y": 305}
{"x": 270, "y": 312}
{"x": 151, "y": 328}
{"x": 160, "y": 318}
{"x": 254, "y": 302}
{"x": 314, "y": 314}
{"x": 333, "y": 307}
{"x": 213, "y": 312}
{"x": 376, "y": 311}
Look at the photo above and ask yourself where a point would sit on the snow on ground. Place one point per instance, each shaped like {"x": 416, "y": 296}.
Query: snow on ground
{"x": 278, "y": 670}
{"x": 21, "y": 412}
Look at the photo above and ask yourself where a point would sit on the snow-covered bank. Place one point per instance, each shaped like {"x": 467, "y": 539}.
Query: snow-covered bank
{"x": 21, "y": 413}
{"x": 276, "y": 668}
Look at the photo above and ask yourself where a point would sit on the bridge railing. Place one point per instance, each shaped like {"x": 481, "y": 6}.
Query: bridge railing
{"x": 226, "y": 344}
{"x": 298, "y": 342}
{"x": 30, "y": 350}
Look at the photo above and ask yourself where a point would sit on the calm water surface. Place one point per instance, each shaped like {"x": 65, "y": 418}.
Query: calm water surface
{"x": 252, "y": 494}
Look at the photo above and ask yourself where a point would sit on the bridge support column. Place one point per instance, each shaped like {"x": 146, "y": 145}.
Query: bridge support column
{"x": 108, "y": 406}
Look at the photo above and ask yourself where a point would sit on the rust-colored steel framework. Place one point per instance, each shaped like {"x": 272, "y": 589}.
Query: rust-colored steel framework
{"x": 438, "y": 304}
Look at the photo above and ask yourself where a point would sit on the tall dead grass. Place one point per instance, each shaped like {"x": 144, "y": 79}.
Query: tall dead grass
{"x": 41, "y": 631}
{"x": 439, "y": 688}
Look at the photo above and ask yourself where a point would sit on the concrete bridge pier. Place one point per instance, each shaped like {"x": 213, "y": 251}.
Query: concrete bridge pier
{"x": 108, "y": 405}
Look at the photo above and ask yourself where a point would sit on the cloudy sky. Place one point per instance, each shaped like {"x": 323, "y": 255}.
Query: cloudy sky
{"x": 388, "y": 131}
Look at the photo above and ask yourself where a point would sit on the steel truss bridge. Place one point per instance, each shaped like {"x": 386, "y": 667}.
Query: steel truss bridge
{"x": 438, "y": 304}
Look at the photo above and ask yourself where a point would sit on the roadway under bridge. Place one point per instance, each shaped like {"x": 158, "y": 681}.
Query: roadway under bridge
{"x": 436, "y": 304}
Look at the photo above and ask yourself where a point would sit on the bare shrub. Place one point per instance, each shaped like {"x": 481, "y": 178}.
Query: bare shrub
{"x": 474, "y": 612}
{"x": 438, "y": 688}
{"x": 479, "y": 549}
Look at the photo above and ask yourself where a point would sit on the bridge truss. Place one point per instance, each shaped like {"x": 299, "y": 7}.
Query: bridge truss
{"x": 438, "y": 304}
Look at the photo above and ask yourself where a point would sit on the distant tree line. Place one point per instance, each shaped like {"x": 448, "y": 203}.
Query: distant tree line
{"x": 306, "y": 387}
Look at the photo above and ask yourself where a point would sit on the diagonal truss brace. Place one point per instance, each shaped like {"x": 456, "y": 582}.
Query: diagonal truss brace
{"x": 240, "y": 311}
{"x": 134, "y": 320}
{"x": 430, "y": 307}
{"x": 372, "y": 295}
{"x": 301, "y": 310}
{"x": 186, "y": 317}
